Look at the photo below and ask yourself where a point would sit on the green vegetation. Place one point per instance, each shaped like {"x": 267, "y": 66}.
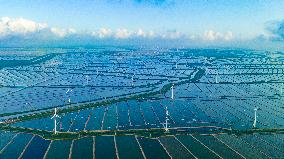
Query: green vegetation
{"x": 151, "y": 133}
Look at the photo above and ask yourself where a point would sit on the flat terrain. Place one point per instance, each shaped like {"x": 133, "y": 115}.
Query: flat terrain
{"x": 118, "y": 103}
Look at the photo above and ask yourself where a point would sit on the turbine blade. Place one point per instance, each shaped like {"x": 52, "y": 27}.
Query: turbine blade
{"x": 53, "y": 116}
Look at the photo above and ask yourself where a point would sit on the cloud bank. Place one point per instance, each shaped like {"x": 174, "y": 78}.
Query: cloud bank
{"x": 22, "y": 32}
{"x": 276, "y": 30}
{"x": 20, "y": 27}
{"x": 210, "y": 35}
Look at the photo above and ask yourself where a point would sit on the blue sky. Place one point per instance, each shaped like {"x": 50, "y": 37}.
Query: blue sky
{"x": 198, "y": 22}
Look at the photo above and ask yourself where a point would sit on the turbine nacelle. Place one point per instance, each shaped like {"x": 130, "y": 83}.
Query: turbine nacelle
{"x": 69, "y": 90}
{"x": 55, "y": 114}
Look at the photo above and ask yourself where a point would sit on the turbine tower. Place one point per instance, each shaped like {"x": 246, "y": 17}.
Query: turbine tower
{"x": 166, "y": 124}
{"x": 172, "y": 91}
{"x": 206, "y": 71}
{"x": 132, "y": 78}
{"x": 216, "y": 78}
{"x": 254, "y": 122}
{"x": 69, "y": 99}
{"x": 55, "y": 123}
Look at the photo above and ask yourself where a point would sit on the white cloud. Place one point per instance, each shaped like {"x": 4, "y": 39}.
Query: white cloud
{"x": 228, "y": 36}
{"x": 72, "y": 31}
{"x": 2, "y": 30}
{"x": 141, "y": 33}
{"x": 103, "y": 33}
{"x": 122, "y": 34}
{"x": 62, "y": 32}
{"x": 58, "y": 32}
{"x": 20, "y": 26}
{"x": 28, "y": 28}
{"x": 25, "y": 27}
{"x": 119, "y": 33}
{"x": 172, "y": 35}
{"x": 145, "y": 34}
{"x": 5, "y": 19}
{"x": 275, "y": 30}
{"x": 151, "y": 34}
{"x": 213, "y": 36}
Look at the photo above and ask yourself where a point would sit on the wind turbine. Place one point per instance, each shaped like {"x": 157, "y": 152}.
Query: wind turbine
{"x": 55, "y": 123}
{"x": 69, "y": 90}
{"x": 206, "y": 71}
{"x": 167, "y": 114}
{"x": 97, "y": 71}
{"x": 172, "y": 91}
{"x": 165, "y": 125}
{"x": 132, "y": 78}
{"x": 33, "y": 107}
{"x": 254, "y": 122}
{"x": 216, "y": 78}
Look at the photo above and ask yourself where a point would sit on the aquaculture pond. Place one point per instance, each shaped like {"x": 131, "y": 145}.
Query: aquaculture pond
{"x": 141, "y": 103}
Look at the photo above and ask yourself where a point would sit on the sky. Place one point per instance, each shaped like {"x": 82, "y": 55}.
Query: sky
{"x": 181, "y": 23}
